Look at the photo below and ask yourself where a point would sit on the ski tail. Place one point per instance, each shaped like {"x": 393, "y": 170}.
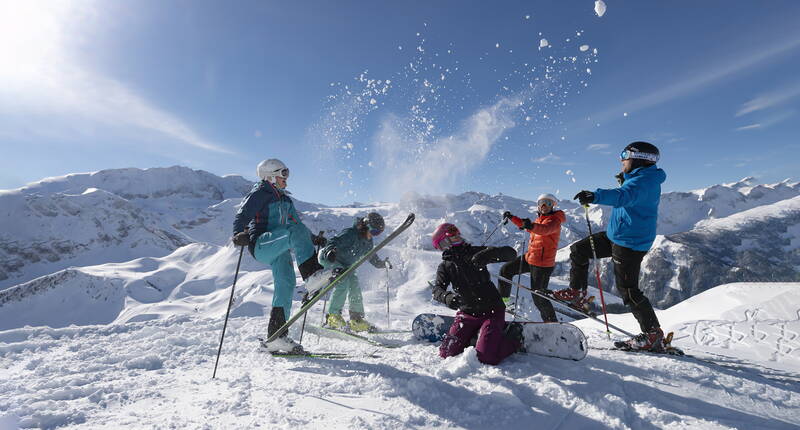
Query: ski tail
{"x": 407, "y": 223}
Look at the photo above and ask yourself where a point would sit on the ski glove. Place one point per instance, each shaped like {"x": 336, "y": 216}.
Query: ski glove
{"x": 319, "y": 240}
{"x": 387, "y": 263}
{"x": 527, "y": 224}
{"x": 620, "y": 178}
{"x": 507, "y": 215}
{"x": 584, "y": 197}
{"x": 452, "y": 300}
{"x": 241, "y": 239}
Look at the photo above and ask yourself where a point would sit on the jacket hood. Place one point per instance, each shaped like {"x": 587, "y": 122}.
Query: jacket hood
{"x": 650, "y": 172}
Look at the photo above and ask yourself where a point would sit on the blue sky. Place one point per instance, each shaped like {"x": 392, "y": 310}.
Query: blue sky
{"x": 367, "y": 100}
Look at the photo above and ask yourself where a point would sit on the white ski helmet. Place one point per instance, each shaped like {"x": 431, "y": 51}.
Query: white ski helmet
{"x": 271, "y": 168}
{"x": 547, "y": 196}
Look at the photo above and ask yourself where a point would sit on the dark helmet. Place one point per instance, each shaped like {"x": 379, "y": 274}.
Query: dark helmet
{"x": 373, "y": 223}
{"x": 642, "y": 154}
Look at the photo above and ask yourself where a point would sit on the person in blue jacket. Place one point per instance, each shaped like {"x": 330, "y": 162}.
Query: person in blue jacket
{"x": 268, "y": 224}
{"x": 631, "y": 231}
{"x": 342, "y": 251}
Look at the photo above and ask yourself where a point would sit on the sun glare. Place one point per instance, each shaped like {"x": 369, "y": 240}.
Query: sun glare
{"x": 31, "y": 33}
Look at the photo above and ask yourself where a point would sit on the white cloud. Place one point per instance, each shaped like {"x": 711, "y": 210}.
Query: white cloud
{"x": 770, "y": 99}
{"x": 748, "y": 127}
{"x": 597, "y": 146}
{"x": 549, "y": 158}
{"x": 697, "y": 79}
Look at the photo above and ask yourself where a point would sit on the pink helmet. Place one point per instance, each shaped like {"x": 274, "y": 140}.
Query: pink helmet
{"x": 445, "y": 231}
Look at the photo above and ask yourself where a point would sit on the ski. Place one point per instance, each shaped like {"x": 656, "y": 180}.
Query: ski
{"x": 348, "y": 335}
{"x": 308, "y": 354}
{"x": 321, "y": 293}
{"x": 581, "y": 311}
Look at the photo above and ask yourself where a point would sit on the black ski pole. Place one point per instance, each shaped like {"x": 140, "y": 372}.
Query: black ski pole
{"x": 597, "y": 269}
{"x": 228, "y": 312}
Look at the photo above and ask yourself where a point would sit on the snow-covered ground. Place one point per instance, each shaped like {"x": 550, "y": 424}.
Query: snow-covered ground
{"x": 140, "y": 372}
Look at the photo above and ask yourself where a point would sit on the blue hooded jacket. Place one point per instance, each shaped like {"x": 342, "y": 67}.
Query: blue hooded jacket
{"x": 635, "y": 214}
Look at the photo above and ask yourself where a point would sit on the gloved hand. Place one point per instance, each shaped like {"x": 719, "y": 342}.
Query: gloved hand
{"x": 507, "y": 215}
{"x": 620, "y": 178}
{"x": 241, "y": 238}
{"x": 387, "y": 263}
{"x": 527, "y": 224}
{"x": 331, "y": 255}
{"x": 319, "y": 240}
{"x": 584, "y": 197}
{"x": 453, "y": 301}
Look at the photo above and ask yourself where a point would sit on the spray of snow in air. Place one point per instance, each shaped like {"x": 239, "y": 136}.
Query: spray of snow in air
{"x": 429, "y": 115}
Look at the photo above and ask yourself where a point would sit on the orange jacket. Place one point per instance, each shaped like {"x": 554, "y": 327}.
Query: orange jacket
{"x": 544, "y": 238}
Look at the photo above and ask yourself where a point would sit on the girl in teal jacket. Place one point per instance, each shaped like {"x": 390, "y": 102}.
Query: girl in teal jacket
{"x": 339, "y": 253}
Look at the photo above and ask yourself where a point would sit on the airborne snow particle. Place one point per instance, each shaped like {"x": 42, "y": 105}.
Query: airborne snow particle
{"x": 584, "y": 48}
{"x": 372, "y": 101}
{"x": 625, "y": 114}
{"x": 599, "y": 8}
{"x": 496, "y": 45}
{"x": 543, "y": 43}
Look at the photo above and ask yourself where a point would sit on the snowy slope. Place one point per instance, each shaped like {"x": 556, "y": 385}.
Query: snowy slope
{"x": 157, "y": 373}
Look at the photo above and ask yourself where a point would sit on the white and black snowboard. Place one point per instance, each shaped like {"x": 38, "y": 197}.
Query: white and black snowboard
{"x": 561, "y": 340}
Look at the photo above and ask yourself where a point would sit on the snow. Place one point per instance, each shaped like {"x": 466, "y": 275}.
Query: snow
{"x": 600, "y": 8}
{"x": 132, "y": 342}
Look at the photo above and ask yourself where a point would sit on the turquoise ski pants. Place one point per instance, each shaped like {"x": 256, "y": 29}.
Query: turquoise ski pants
{"x": 348, "y": 286}
{"x": 273, "y": 248}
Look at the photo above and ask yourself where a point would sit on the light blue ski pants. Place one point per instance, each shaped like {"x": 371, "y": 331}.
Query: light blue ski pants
{"x": 347, "y": 287}
{"x": 273, "y": 248}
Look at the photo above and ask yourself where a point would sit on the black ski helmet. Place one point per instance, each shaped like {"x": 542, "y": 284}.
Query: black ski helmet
{"x": 642, "y": 154}
{"x": 373, "y": 223}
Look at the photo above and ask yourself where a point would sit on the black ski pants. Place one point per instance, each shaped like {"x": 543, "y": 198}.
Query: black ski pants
{"x": 540, "y": 278}
{"x": 627, "y": 264}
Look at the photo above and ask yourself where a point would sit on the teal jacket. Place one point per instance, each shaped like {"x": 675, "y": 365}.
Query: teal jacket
{"x": 350, "y": 245}
{"x": 635, "y": 215}
{"x": 265, "y": 208}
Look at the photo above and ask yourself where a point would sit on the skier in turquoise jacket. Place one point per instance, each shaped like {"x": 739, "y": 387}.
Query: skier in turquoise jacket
{"x": 340, "y": 252}
{"x": 268, "y": 224}
{"x": 631, "y": 231}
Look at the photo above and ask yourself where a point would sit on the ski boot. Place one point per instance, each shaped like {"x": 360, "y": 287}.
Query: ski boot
{"x": 335, "y": 321}
{"x": 652, "y": 341}
{"x": 358, "y": 323}
{"x": 283, "y": 343}
{"x": 575, "y": 297}
{"x": 515, "y": 332}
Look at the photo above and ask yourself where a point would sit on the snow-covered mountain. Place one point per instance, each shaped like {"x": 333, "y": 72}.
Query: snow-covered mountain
{"x": 724, "y": 233}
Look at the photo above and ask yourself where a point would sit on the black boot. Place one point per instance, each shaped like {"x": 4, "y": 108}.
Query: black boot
{"x": 276, "y": 320}
{"x": 282, "y": 343}
{"x": 514, "y": 331}
{"x": 309, "y": 267}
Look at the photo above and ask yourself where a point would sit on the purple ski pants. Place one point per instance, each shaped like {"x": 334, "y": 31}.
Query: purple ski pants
{"x": 492, "y": 346}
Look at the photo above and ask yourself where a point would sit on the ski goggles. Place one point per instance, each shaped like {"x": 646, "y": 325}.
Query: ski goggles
{"x": 375, "y": 231}
{"x": 283, "y": 173}
{"x": 545, "y": 202}
{"x": 628, "y": 154}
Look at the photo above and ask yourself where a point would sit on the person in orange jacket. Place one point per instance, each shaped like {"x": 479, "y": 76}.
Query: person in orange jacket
{"x": 541, "y": 256}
